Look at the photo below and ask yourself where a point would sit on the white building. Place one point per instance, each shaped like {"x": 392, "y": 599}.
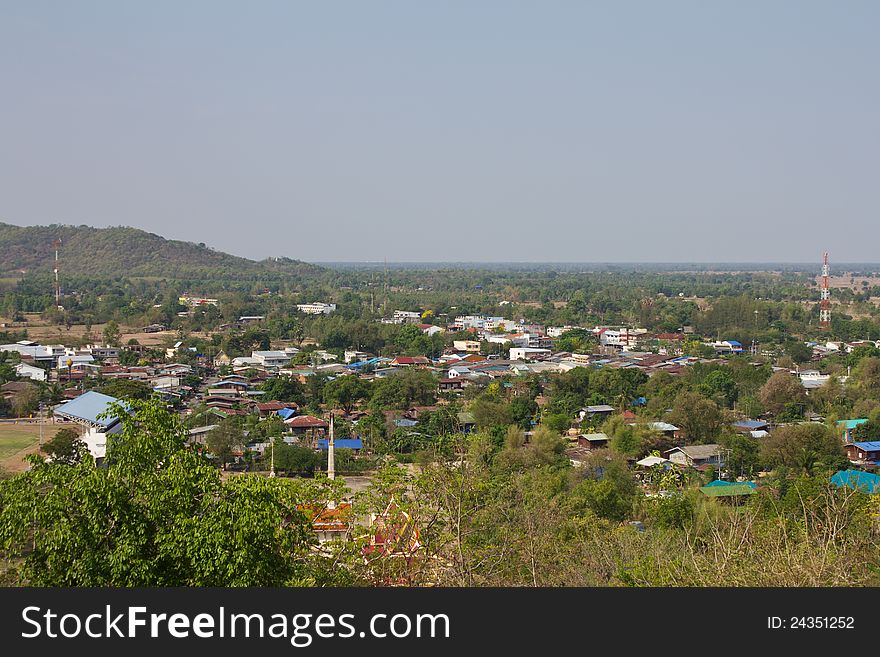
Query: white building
{"x": 528, "y": 353}
{"x": 623, "y": 337}
{"x": 26, "y": 371}
{"x": 38, "y": 352}
{"x": 406, "y": 317}
{"x": 316, "y": 308}
{"x": 271, "y": 359}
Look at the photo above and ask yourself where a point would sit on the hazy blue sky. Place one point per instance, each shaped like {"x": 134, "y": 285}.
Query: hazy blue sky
{"x": 469, "y": 130}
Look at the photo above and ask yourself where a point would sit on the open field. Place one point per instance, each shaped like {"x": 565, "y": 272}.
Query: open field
{"x": 40, "y": 331}
{"x": 19, "y": 440}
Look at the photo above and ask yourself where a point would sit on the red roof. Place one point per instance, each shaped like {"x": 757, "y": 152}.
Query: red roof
{"x": 306, "y": 422}
{"x": 411, "y": 360}
{"x": 274, "y": 406}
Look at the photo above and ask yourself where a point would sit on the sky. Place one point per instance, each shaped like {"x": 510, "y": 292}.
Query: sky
{"x": 464, "y": 130}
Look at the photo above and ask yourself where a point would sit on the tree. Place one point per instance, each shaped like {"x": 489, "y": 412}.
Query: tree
{"x": 295, "y": 458}
{"x": 112, "y": 334}
{"x": 157, "y": 515}
{"x": 720, "y": 387}
{"x": 64, "y": 447}
{"x": 490, "y": 413}
{"x": 608, "y": 489}
{"x": 803, "y": 447}
{"x": 782, "y": 391}
{"x": 699, "y": 419}
{"x": 284, "y": 389}
{"x": 127, "y": 389}
{"x": 344, "y": 392}
{"x": 25, "y": 401}
{"x": 522, "y": 411}
{"x": 224, "y": 440}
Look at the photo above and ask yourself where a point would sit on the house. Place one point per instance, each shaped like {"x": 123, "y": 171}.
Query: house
{"x": 863, "y": 453}
{"x": 669, "y": 430}
{"x": 529, "y": 353}
{"x": 751, "y": 426}
{"x": 25, "y": 371}
{"x": 153, "y": 328}
{"x": 307, "y": 426}
{"x": 430, "y": 329}
{"x": 341, "y": 443}
{"x": 466, "y": 422}
{"x": 593, "y": 440}
{"x": 265, "y": 409}
{"x": 272, "y": 359}
{"x": 696, "y": 456}
{"x": 470, "y": 346}
{"x": 406, "y": 317}
{"x": 74, "y": 361}
{"x": 452, "y": 384}
{"x": 727, "y": 347}
{"x": 458, "y": 371}
{"x": 410, "y": 361}
{"x": 848, "y": 426}
{"x": 600, "y": 412}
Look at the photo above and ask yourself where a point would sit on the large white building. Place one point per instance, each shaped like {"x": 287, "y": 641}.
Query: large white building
{"x": 528, "y": 353}
{"x": 274, "y": 359}
{"x": 316, "y": 308}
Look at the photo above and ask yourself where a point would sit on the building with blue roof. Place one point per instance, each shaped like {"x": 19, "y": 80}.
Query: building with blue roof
{"x": 87, "y": 410}
{"x": 285, "y": 413}
{"x": 341, "y": 443}
{"x": 863, "y": 453}
{"x": 857, "y": 480}
{"x": 848, "y": 426}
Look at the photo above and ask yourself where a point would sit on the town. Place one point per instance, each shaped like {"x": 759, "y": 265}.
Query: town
{"x": 431, "y": 440}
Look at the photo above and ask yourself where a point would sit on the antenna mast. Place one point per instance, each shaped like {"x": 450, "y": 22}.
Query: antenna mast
{"x": 56, "y": 245}
{"x": 825, "y": 303}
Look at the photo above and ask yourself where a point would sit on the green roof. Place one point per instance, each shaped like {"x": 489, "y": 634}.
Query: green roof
{"x": 851, "y": 424}
{"x": 727, "y": 491}
{"x": 466, "y": 418}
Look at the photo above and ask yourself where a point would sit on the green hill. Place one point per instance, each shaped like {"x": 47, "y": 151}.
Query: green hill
{"x": 111, "y": 252}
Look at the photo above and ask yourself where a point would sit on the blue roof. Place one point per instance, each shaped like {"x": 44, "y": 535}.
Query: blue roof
{"x": 404, "y": 422}
{"x": 750, "y": 424}
{"x": 868, "y": 445}
{"x": 285, "y": 413}
{"x": 87, "y": 407}
{"x": 851, "y": 424}
{"x": 342, "y": 443}
{"x": 719, "y": 482}
{"x": 734, "y": 343}
{"x": 858, "y": 480}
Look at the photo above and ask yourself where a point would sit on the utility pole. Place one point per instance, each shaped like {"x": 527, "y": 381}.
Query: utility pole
{"x": 272, "y": 466}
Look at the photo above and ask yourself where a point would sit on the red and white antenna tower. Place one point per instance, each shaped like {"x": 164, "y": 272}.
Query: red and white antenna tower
{"x": 57, "y": 245}
{"x": 825, "y": 303}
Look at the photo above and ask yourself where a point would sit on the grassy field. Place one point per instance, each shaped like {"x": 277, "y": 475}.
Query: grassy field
{"x": 17, "y": 437}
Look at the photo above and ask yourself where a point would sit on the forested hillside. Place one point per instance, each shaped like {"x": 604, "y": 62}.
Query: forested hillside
{"x": 109, "y": 252}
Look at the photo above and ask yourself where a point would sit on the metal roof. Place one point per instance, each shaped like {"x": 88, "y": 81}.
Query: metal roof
{"x": 868, "y": 445}
{"x": 732, "y": 490}
{"x": 342, "y": 443}
{"x": 86, "y": 408}
{"x": 858, "y": 480}
{"x": 750, "y": 424}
